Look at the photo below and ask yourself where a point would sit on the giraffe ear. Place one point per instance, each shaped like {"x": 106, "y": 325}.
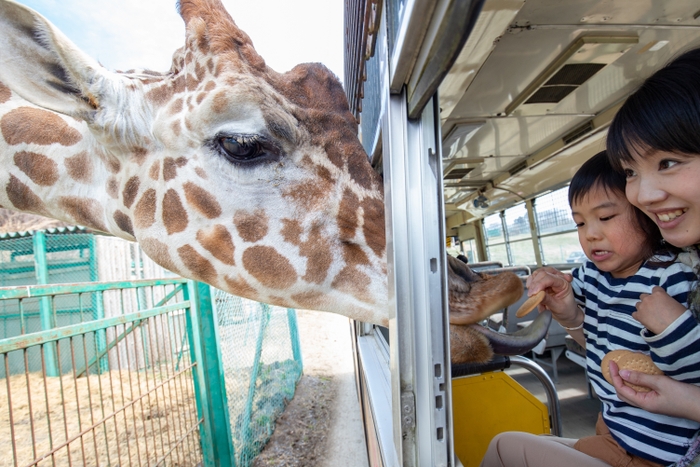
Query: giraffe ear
{"x": 43, "y": 66}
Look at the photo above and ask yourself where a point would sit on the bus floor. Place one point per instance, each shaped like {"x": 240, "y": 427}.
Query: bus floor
{"x": 579, "y": 412}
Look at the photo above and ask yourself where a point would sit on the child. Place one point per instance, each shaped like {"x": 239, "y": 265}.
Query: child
{"x": 595, "y": 305}
{"x": 655, "y": 140}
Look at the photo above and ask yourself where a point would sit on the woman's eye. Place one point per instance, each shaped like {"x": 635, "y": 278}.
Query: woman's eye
{"x": 667, "y": 164}
{"x": 607, "y": 218}
{"x": 629, "y": 173}
{"x": 240, "y": 150}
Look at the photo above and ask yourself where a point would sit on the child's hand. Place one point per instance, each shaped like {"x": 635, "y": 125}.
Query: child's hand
{"x": 559, "y": 297}
{"x": 656, "y": 311}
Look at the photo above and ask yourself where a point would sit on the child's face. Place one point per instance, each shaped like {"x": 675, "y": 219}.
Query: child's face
{"x": 666, "y": 186}
{"x": 608, "y": 233}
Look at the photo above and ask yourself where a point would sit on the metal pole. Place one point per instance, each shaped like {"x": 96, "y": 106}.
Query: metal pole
{"x": 294, "y": 336}
{"x": 248, "y": 413}
{"x": 48, "y": 320}
{"x": 210, "y": 389}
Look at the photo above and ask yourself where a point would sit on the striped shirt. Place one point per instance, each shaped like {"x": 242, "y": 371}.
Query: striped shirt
{"x": 608, "y": 304}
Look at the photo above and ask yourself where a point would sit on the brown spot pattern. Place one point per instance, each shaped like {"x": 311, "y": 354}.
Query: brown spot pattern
{"x": 240, "y": 287}
{"x": 139, "y": 154}
{"x": 269, "y": 267}
{"x": 347, "y": 215}
{"x": 171, "y": 165}
{"x": 316, "y": 249}
{"x": 80, "y": 167}
{"x": 84, "y": 211}
{"x": 5, "y": 93}
{"x": 308, "y": 194}
{"x": 202, "y": 174}
{"x": 158, "y": 252}
{"x": 30, "y": 125}
{"x": 198, "y": 264}
{"x": 113, "y": 187}
{"x": 354, "y": 282}
{"x": 23, "y": 198}
{"x": 131, "y": 189}
{"x": 39, "y": 168}
{"x": 218, "y": 241}
{"x": 220, "y": 102}
{"x": 176, "y": 127}
{"x": 252, "y": 227}
{"x": 145, "y": 210}
{"x": 291, "y": 231}
{"x": 174, "y": 214}
{"x": 154, "y": 171}
{"x": 202, "y": 200}
{"x": 176, "y": 107}
{"x": 310, "y": 300}
{"x": 374, "y": 227}
{"x": 123, "y": 222}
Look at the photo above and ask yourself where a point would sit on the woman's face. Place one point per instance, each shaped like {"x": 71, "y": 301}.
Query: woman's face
{"x": 666, "y": 187}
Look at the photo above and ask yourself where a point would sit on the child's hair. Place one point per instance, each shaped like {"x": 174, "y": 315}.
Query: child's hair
{"x": 662, "y": 115}
{"x": 598, "y": 172}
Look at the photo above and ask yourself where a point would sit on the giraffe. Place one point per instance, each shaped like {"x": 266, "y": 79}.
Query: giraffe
{"x": 222, "y": 169}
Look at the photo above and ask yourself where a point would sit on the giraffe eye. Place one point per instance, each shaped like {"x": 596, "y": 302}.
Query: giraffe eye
{"x": 241, "y": 149}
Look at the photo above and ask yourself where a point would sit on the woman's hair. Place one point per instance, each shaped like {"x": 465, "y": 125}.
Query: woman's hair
{"x": 598, "y": 172}
{"x": 662, "y": 115}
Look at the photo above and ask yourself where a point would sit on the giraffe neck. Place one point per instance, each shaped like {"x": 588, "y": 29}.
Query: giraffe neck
{"x": 53, "y": 167}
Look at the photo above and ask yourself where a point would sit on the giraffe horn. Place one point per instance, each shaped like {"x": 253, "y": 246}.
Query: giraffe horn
{"x": 215, "y": 29}
{"x": 520, "y": 341}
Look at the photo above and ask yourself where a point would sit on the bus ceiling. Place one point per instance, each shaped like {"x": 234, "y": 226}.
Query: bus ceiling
{"x": 526, "y": 90}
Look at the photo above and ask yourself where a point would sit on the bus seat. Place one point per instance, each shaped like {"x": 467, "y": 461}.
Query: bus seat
{"x": 486, "y": 393}
{"x": 577, "y": 354}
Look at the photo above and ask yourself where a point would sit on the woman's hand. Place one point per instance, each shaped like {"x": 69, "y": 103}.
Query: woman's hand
{"x": 667, "y": 396}
{"x": 656, "y": 311}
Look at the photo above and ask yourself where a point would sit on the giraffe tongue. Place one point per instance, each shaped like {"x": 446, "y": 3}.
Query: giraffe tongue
{"x": 521, "y": 341}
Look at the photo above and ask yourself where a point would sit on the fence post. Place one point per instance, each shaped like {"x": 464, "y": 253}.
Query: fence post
{"x": 294, "y": 336}
{"x": 210, "y": 389}
{"x": 48, "y": 320}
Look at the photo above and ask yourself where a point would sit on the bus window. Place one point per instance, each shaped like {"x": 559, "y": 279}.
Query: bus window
{"x": 556, "y": 229}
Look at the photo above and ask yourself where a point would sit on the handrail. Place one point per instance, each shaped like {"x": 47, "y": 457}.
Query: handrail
{"x": 552, "y": 398}
{"x": 42, "y": 337}
{"x": 31, "y": 291}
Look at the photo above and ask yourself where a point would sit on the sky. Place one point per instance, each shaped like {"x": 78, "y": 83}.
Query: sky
{"x": 125, "y": 34}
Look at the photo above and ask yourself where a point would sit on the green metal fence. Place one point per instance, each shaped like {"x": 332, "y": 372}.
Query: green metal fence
{"x": 139, "y": 372}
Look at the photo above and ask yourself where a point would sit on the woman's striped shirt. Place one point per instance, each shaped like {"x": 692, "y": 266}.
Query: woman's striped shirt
{"x": 608, "y": 304}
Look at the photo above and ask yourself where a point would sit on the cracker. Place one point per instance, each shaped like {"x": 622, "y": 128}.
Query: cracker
{"x": 628, "y": 360}
{"x": 530, "y": 304}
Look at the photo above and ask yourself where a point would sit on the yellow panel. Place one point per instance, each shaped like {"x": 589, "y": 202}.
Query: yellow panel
{"x": 491, "y": 403}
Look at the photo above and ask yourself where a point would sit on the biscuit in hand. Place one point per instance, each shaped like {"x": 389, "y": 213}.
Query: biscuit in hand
{"x": 530, "y": 304}
{"x": 628, "y": 360}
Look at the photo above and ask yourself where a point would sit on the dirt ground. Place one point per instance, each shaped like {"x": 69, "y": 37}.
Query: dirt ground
{"x": 321, "y": 426}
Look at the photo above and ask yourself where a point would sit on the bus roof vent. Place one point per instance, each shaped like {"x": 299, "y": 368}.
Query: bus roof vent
{"x": 578, "y": 132}
{"x": 580, "y": 62}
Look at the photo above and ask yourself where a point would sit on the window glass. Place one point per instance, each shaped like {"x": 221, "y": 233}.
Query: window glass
{"x": 560, "y": 248}
{"x": 523, "y": 252}
{"x": 517, "y": 224}
{"x": 469, "y": 247}
{"x": 493, "y": 229}
{"x": 498, "y": 253}
{"x": 552, "y": 212}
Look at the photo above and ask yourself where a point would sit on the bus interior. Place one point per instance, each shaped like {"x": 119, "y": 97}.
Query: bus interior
{"x": 477, "y": 113}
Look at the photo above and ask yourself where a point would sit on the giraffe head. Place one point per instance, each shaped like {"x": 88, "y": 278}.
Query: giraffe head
{"x": 224, "y": 170}
{"x": 221, "y": 168}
